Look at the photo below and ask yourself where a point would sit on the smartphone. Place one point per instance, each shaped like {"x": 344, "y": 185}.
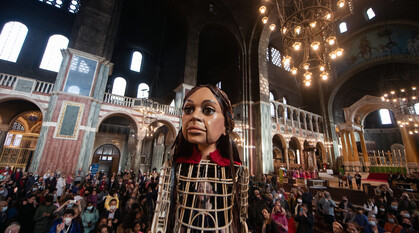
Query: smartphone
{"x": 72, "y": 201}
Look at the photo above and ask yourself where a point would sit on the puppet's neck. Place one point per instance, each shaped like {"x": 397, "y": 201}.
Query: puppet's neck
{"x": 205, "y": 150}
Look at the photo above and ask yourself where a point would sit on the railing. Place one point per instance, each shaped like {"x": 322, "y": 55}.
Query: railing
{"x": 7, "y": 80}
{"x": 141, "y": 104}
{"x": 43, "y": 87}
{"x": 295, "y": 117}
{"x": 12, "y": 81}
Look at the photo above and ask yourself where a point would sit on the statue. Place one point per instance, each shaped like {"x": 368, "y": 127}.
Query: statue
{"x": 203, "y": 187}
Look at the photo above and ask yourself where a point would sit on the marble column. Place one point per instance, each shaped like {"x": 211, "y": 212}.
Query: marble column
{"x": 411, "y": 150}
{"x": 287, "y": 159}
{"x": 364, "y": 149}
{"x": 346, "y": 162}
{"x": 349, "y": 148}
{"x": 4, "y": 129}
{"x": 357, "y": 164}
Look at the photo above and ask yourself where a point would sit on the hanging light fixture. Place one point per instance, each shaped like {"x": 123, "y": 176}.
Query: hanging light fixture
{"x": 402, "y": 95}
{"x": 308, "y": 34}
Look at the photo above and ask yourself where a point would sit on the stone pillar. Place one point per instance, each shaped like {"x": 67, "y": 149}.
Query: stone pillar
{"x": 287, "y": 159}
{"x": 346, "y": 162}
{"x": 292, "y": 117}
{"x": 4, "y": 129}
{"x": 357, "y": 163}
{"x": 411, "y": 150}
{"x": 305, "y": 122}
{"x": 317, "y": 126}
{"x": 364, "y": 149}
{"x": 349, "y": 147}
{"x": 299, "y": 120}
{"x": 276, "y": 113}
{"x": 311, "y": 124}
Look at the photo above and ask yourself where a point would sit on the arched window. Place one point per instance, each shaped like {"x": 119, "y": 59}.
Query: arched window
{"x": 218, "y": 84}
{"x": 342, "y": 27}
{"x": 385, "y": 116}
{"x": 172, "y": 104}
{"x": 119, "y": 85}
{"x": 370, "y": 13}
{"x": 52, "y": 56}
{"x": 284, "y": 101}
{"x": 12, "y": 37}
{"x": 143, "y": 90}
{"x": 137, "y": 59}
{"x": 417, "y": 108}
{"x": 74, "y": 6}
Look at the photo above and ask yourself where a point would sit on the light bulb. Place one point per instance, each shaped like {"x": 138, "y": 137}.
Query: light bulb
{"x": 307, "y": 83}
{"x": 262, "y": 9}
{"x": 387, "y": 100}
{"x": 284, "y": 30}
{"x": 413, "y": 97}
{"x": 297, "y": 30}
{"x": 313, "y": 24}
{"x": 410, "y": 132}
{"x": 402, "y": 90}
{"x": 403, "y": 99}
{"x": 383, "y": 99}
{"x": 331, "y": 40}
{"x": 328, "y": 16}
{"x": 287, "y": 60}
{"x": 385, "y": 95}
{"x": 294, "y": 71}
{"x": 392, "y": 92}
{"x": 416, "y": 131}
{"x": 306, "y": 66}
{"x": 410, "y": 119}
{"x": 265, "y": 20}
{"x": 414, "y": 88}
{"x": 307, "y": 75}
{"x": 315, "y": 45}
{"x": 297, "y": 45}
{"x": 339, "y": 52}
{"x": 272, "y": 27}
{"x": 321, "y": 68}
{"x": 325, "y": 75}
{"x": 394, "y": 100}
{"x": 333, "y": 55}
{"x": 341, "y": 3}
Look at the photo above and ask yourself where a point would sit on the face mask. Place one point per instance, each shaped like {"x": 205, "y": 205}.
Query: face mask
{"x": 67, "y": 221}
{"x": 4, "y": 209}
{"x": 51, "y": 178}
{"x": 89, "y": 207}
{"x": 390, "y": 220}
{"x": 113, "y": 207}
{"x": 2, "y": 191}
{"x": 394, "y": 207}
{"x": 18, "y": 170}
{"x": 382, "y": 209}
{"x": 300, "y": 201}
{"x": 36, "y": 176}
{"x": 35, "y": 189}
{"x": 372, "y": 223}
{"x": 406, "y": 215}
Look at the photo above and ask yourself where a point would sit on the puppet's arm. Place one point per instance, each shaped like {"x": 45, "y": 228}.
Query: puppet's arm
{"x": 161, "y": 213}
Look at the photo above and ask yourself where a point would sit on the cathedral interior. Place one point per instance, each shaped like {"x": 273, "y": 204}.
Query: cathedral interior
{"x": 86, "y": 82}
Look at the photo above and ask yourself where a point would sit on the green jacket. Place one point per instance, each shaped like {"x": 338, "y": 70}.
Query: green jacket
{"x": 42, "y": 224}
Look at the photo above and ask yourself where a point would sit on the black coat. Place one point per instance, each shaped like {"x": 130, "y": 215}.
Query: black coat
{"x": 305, "y": 224}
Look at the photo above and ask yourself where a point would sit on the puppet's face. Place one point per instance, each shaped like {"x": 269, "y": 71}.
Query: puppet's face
{"x": 202, "y": 120}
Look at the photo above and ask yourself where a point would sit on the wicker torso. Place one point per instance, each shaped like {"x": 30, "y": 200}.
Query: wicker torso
{"x": 204, "y": 200}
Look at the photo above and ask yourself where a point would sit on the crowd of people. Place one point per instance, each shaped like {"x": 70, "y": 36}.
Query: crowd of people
{"x": 80, "y": 202}
{"x": 125, "y": 202}
{"x": 273, "y": 210}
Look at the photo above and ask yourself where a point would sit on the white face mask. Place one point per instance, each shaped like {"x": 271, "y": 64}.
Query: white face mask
{"x": 113, "y": 207}
{"x": 67, "y": 220}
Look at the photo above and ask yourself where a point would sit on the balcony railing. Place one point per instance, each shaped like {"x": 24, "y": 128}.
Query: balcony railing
{"x": 291, "y": 116}
{"x": 18, "y": 83}
{"x": 141, "y": 104}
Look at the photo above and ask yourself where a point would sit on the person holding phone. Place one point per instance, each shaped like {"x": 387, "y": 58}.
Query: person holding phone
{"x": 305, "y": 219}
{"x": 66, "y": 224}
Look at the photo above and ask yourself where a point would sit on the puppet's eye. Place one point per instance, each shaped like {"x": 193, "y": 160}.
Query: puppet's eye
{"x": 188, "y": 110}
{"x": 208, "y": 111}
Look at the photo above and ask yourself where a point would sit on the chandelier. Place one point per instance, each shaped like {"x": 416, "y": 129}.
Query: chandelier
{"x": 308, "y": 35}
{"x": 404, "y": 100}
